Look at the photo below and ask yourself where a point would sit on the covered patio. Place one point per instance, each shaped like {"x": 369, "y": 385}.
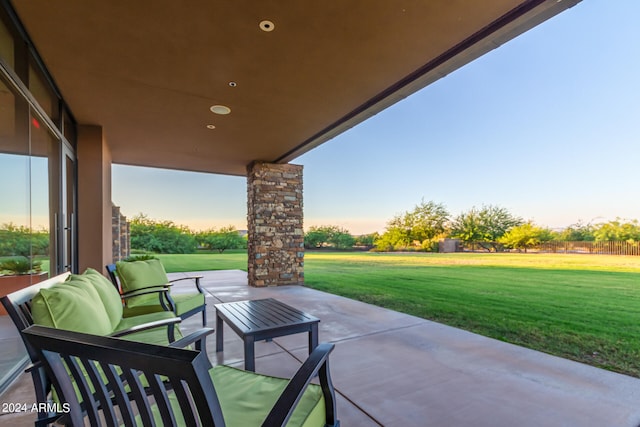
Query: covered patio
{"x": 242, "y": 89}
{"x": 392, "y": 369}
{"x": 226, "y": 88}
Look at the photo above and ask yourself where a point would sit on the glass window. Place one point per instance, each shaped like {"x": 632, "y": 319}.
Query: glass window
{"x": 28, "y": 166}
{"x": 44, "y": 173}
{"x": 69, "y": 128}
{"x": 6, "y": 45}
{"x": 8, "y": 122}
{"x": 39, "y": 88}
{"x": 37, "y": 193}
{"x": 15, "y": 219}
{"x": 14, "y": 160}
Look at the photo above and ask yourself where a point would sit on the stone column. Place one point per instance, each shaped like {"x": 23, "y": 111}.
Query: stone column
{"x": 115, "y": 232}
{"x": 120, "y": 234}
{"x": 274, "y": 218}
{"x": 125, "y": 237}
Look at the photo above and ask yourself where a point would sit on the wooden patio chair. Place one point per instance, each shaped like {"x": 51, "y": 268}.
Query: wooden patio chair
{"x": 186, "y": 390}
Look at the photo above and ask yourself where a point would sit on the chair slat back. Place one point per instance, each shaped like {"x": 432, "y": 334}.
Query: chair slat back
{"x": 179, "y": 389}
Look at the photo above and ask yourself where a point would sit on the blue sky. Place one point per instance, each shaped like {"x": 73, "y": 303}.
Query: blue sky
{"x": 547, "y": 126}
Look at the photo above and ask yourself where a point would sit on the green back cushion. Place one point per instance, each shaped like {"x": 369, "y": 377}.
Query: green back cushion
{"x": 73, "y": 306}
{"x": 135, "y": 275}
{"x": 107, "y": 293}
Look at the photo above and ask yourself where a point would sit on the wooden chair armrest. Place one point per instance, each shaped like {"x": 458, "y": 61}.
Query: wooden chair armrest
{"x": 145, "y": 326}
{"x": 316, "y": 363}
{"x": 198, "y": 337}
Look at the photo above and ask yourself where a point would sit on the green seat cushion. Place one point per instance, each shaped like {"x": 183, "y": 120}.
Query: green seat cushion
{"x": 72, "y": 305}
{"x": 184, "y": 303}
{"x": 252, "y": 399}
{"x": 128, "y": 322}
{"x": 156, "y": 336}
{"x": 152, "y": 336}
{"x": 136, "y": 275}
{"x": 187, "y": 302}
{"x": 107, "y": 293}
{"x": 246, "y": 398}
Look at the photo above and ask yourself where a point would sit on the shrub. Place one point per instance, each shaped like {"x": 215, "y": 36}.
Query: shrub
{"x": 19, "y": 265}
{"x": 143, "y": 257}
{"x": 328, "y": 235}
{"x": 23, "y": 241}
{"x": 221, "y": 240}
{"x": 163, "y": 237}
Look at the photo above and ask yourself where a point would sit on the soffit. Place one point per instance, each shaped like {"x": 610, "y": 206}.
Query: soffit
{"x": 148, "y": 71}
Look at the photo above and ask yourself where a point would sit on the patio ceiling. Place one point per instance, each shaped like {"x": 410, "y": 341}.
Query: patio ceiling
{"x": 149, "y": 71}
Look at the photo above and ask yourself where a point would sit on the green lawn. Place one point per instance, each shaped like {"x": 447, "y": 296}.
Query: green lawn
{"x": 582, "y": 307}
{"x": 228, "y": 260}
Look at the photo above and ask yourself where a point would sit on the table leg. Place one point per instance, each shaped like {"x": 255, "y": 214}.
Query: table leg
{"x": 313, "y": 337}
{"x": 249, "y": 354}
{"x": 219, "y": 336}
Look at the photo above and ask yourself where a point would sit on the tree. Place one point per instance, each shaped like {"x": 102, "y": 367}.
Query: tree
{"x": 393, "y": 238}
{"x": 484, "y": 226}
{"x": 161, "y": 236}
{"x": 525, "y": 236}
{"x": 367, "y": 240}
{"x": 15, "y": 240}
{"x": 417, "y": 228}
{"x": 617, "y": 230}
{"x": 468, "y": 227}
{"x": 221, "y": 240}
{"x": 23, "y": 241}
{"x": 342, "y": 239}
{"x": 328, "y": 235}
{"x": 577, "y": 232}
{"x": 316, "y": 237}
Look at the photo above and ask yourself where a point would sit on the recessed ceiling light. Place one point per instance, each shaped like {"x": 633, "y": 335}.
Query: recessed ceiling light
{"x": 220, "y": 109}
{"x": 211, "y": 126}
{"x": 267, "y": 26}
{"x": 233, "y": 84}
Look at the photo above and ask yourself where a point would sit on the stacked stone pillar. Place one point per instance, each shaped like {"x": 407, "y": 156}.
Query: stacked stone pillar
{"x": 120, "y": 233}
{"x": 274, "y": 219}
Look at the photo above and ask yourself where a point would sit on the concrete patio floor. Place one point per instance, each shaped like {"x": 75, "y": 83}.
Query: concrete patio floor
{"x": 392, "y": 369}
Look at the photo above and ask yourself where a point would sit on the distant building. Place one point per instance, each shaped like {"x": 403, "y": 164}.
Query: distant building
{"x": 449, "y": 245}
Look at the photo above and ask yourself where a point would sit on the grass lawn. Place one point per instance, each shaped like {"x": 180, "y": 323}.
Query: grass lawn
{"x": 228, "y": 260}
{"x": 581, "y": 307}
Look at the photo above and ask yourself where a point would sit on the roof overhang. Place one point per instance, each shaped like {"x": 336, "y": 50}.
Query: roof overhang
{"x": 149, "y": 71}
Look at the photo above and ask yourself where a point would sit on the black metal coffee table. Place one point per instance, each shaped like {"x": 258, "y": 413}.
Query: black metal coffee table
{"x": 262, "y": 319}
